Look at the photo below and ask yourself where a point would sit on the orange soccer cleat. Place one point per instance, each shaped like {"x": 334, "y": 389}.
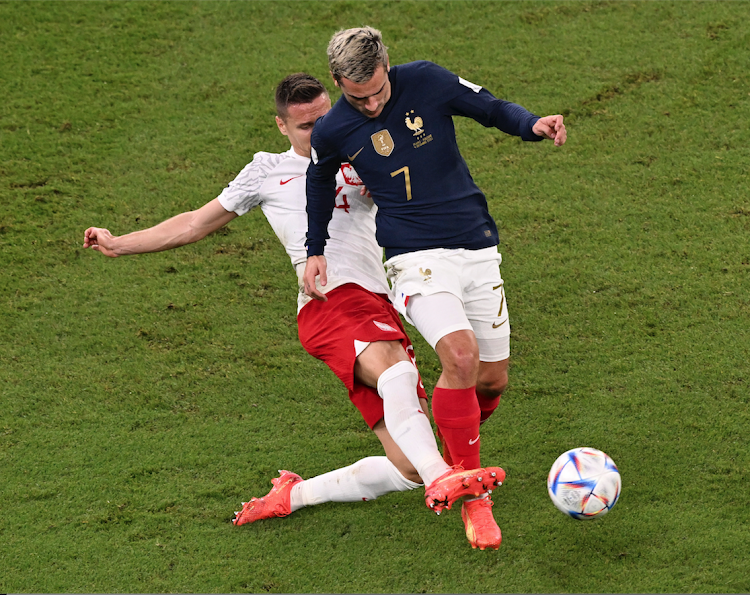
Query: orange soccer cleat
{"x": 274, "y": 504}
{"x": 481, "y": 529}
{"x": 457, "y": 482}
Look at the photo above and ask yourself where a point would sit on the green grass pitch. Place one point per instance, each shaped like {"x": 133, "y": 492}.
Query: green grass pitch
{"x": 141, "y": 399}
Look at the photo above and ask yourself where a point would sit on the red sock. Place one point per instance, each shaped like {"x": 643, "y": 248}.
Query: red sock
{"x": 457, "y": 414}
{"x": 446, "y": 451}
{"x": 487, "y": 406}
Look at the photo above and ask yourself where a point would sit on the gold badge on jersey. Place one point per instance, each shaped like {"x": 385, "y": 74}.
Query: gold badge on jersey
{"x": 383, "y": 142}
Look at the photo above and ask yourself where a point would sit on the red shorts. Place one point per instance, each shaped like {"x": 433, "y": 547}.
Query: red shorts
{"x": 328, "y": 331}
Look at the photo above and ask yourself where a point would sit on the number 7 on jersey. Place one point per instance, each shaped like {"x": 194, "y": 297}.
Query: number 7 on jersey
{"x": 404, "y": 170}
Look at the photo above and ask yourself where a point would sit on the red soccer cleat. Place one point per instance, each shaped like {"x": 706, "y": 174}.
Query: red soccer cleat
{"x": 481, "y": 529}
{"x": 456, "y": 482}
{"x": 277, "y": 503}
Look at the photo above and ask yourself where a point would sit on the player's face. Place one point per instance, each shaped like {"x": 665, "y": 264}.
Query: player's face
{"x": 370, "y": 97}
{"x": 299, "y": 122}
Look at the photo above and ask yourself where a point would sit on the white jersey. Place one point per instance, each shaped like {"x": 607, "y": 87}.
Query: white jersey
{"x": 276, "y": 182}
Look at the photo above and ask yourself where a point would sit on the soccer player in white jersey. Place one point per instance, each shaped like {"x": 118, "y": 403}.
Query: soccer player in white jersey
{"x": 356, "y": 331}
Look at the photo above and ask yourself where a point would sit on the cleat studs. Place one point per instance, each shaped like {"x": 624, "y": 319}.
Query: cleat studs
{"x": 479, "y": 479}
{"x": 493, "y": 474}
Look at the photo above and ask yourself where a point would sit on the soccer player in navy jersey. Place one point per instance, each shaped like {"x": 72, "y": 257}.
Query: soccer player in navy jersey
{"x": 395, "y": 126}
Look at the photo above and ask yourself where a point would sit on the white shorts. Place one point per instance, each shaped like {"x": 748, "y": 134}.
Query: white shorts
{"x": 473, "y": 277}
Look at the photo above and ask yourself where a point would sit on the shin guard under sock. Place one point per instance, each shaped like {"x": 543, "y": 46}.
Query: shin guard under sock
{"x": 457, "y": 414}
{"x": 407, "y": 424}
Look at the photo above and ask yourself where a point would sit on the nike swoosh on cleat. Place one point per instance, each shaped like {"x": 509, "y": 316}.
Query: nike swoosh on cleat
{"x": 474, "y": 441}
{"x": 353, "y": 157}
{"x": 282, "y": 182}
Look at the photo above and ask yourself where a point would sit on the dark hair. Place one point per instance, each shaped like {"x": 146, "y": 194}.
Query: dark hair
{"x": 297, "y": 88}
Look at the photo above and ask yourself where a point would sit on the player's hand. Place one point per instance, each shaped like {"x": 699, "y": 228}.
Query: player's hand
{"x": 363, "y": 191}
{"x": 551, "y": 127}
{"x": 316, "y": 267}
{"x": 101, "y": 240}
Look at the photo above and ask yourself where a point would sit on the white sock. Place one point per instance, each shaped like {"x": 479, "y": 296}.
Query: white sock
{"x": 407, "y": 424}
{"x": 366, "y": 479}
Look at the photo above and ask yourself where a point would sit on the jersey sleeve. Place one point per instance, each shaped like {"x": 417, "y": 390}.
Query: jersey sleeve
{"x": 243, "y": 193}
{"x": 463, "y": 98}
{"x": 321, "y": 191}
{"x": 492, "y": 112}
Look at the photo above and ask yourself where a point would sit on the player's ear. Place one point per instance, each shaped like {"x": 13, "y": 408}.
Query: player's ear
{"x": 282, "y": 126}
{"x": 335, "y": 82}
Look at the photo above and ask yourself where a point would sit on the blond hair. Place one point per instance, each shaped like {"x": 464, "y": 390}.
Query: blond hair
{"x": 355, "y": 54}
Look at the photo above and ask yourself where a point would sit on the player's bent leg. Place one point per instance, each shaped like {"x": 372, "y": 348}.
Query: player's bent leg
{"x": 387, "y": 364}
{"x": 407, "y": 422}
{"x": 365, "y": 480}
{"x": 454, "y": 402}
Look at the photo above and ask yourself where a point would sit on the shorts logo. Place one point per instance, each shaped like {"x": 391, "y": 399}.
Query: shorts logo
{"x": 383, "y": 143}
{"x": 474, "y": 441}
{"x": 426, "y": 273}
{"x": 384, "y": 327}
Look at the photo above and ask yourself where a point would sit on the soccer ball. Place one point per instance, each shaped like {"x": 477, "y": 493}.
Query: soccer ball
{"x": 584, "y": 483}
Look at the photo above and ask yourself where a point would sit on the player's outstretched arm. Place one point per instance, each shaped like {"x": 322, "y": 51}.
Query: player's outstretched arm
{"x": 315, "y": 266}
{"x": 551, "y": 127}
{"x": 181, "y": 229}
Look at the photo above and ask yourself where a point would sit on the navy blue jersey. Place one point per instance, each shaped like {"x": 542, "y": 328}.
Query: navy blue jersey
{"x": 409, "y": 160}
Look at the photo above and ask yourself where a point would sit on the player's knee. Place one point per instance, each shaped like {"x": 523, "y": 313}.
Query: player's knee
{"x": 460, "y": 361}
